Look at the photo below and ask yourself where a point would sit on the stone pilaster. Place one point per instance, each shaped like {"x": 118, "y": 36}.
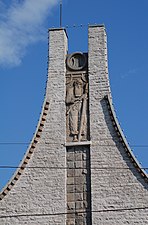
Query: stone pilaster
{"x": 39, "y": 194}
{"x": 117, "y": 190}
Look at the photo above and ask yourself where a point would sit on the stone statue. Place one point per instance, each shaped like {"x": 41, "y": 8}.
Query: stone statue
{"x": 76, "y": 100}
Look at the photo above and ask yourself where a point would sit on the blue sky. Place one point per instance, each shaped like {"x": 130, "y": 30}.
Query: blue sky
{"x": 23, "y": 66}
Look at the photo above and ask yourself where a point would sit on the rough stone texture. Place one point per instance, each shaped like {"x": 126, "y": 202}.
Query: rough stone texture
{"x": 40, "y": 196}
{"x": 77, "y": 113}
{"x": 78, "y": 185}
{"x": 40, "y": 192}
{"x": 113, "y": 190}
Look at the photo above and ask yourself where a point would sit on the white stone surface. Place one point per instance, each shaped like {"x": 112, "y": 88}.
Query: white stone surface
{"x": 118, "y": 196}
{"x": 42, "y": 191}
{"x": 111, "y": 188}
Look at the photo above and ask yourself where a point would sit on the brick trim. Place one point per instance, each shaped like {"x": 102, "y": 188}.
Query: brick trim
{"x": 29, "y": 152}
{"x": 123, "y": 140}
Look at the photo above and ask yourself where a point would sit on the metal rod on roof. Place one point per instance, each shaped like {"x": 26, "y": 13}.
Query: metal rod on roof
{"x": 60, "y": 13}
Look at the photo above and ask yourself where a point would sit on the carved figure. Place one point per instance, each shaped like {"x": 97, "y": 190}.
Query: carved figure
{"x": 76, "y": 100}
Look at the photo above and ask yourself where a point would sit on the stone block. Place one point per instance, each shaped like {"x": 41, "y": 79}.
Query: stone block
{"x": 70, "y": 172}
{"x": 78, "y": 156}
{"x": 79, "y": 205}
{"x": 70, "y": 164}
{"x": 70, "y": 156}
{"x": 79, "y": 188}
{"x": 78, "y": 172}
{"x": 70, "y": 180}
{"x": 70, "y": 222}
{"x": 70, "y": 197}
{"x": 71, "y": 205}
{"x": 70, "y": 188}
{"x": 78, "y": 164}
{"x": 79, "y": 180}
{"x": 79, "y": 196}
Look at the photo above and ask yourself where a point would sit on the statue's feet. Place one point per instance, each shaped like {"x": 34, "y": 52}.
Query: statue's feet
{"x": 75, "y": 138}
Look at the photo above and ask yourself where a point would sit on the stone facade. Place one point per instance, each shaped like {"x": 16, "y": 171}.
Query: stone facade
{"x": 78, "y": 185}
{"x": 39, "y": 195}
{"x": 115, "y": 188}
{"x": 70, "y": 179}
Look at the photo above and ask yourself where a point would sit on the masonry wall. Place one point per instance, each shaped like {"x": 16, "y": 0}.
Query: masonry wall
{"x": 37, "y": 194}
{"x": 119, "y": 192}
{"x": 40, "y": 191}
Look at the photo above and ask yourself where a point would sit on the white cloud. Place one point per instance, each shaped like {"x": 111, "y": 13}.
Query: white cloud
{"x": 20, "y": 25}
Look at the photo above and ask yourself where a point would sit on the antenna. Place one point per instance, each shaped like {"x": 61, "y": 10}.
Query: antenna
{"x": 60, "y": 13}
